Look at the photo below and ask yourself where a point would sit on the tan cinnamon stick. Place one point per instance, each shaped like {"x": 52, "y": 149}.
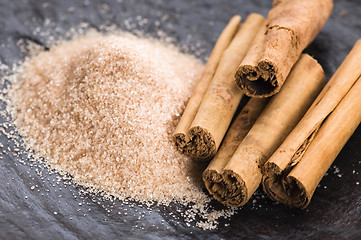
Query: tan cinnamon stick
{"x": 222, "y": 97}
{"x": 212, "y": 176}
{"x": 292, "y": 173}
{"x": 291, "y": 26}
{"x": 180, "y": 134}
{"x": 242, "y": 174}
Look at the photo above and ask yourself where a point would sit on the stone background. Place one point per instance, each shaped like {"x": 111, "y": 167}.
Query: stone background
{"x": 56, "y": 210}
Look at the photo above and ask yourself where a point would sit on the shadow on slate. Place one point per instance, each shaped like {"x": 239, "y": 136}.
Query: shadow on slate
{"x": 54, "y": 210}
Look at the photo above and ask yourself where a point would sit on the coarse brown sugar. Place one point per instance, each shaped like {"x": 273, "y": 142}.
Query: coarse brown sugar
{"x": 102, "y": 109}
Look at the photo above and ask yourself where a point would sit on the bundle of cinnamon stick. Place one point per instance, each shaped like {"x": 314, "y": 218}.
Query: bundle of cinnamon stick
{"x": 293, "y": 172}
{"x": 269, "y": 46}
{"x": 232, "y": 181}
{"x": 216, "y": 96}
{"x": 287, "y": 142}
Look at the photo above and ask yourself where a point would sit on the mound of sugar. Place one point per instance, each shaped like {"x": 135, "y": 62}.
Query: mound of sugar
{"x": 102, "y": 109}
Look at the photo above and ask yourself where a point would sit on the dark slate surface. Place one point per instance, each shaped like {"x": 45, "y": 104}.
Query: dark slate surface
{"x": 58, "y": 211}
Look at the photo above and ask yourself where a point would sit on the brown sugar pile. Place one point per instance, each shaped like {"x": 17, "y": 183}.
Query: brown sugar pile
{"x": 101, "y": 108}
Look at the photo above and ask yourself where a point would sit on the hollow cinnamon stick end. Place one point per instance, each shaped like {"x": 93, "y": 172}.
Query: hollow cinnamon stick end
{"x": 284, "y": 189}
{"x": 180, "y": 140}
{"x": 258, "y": 81}
{"x": 211, "y": 177}
{"x": 271, "y": 182}
{"x": 215, "y": 185}
{"x": 235, "y": 191}
{"x": 202, "y": 145}
{"x": 227, "y": 188}
{"x": 297, "y": 192}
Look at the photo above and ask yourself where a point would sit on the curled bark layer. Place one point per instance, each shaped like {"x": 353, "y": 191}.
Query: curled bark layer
{"x": 293, "y": 172}
{"x": 291, "y": 26}
{"x": 241, "y": 175}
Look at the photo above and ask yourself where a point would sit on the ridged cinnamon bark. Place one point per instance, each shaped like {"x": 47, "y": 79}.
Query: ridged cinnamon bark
{"x": 291, "y": 26}
{"x": 180, "y": 137}
{"x": 212, "y": 176}
{"x": 293, "y": 172}
{"x": 222, "y": 97}
{"x": 242, "y": 175}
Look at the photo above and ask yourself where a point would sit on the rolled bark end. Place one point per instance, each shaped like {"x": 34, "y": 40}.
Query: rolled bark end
{"x": 202, "y": 145}
{"x": 282, "y": 188}
{"x": 228, "y": 188}
{"x": 296, "y": 191}
{"x": 210, "y": 177}
{"x": 236, "y": 190}
{"x": 260, "y": 81}
{"x": 180, "y": 140}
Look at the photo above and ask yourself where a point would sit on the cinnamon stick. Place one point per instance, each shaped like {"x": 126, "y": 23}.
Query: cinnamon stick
{"x": 242, "y": 175}
{"x": 212, "y": 176}
{"x": 222, "y": 97}
{"x": 180, "y": 134}
{"x": 293, "y": 172}
{"x": 291, "y": 26}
